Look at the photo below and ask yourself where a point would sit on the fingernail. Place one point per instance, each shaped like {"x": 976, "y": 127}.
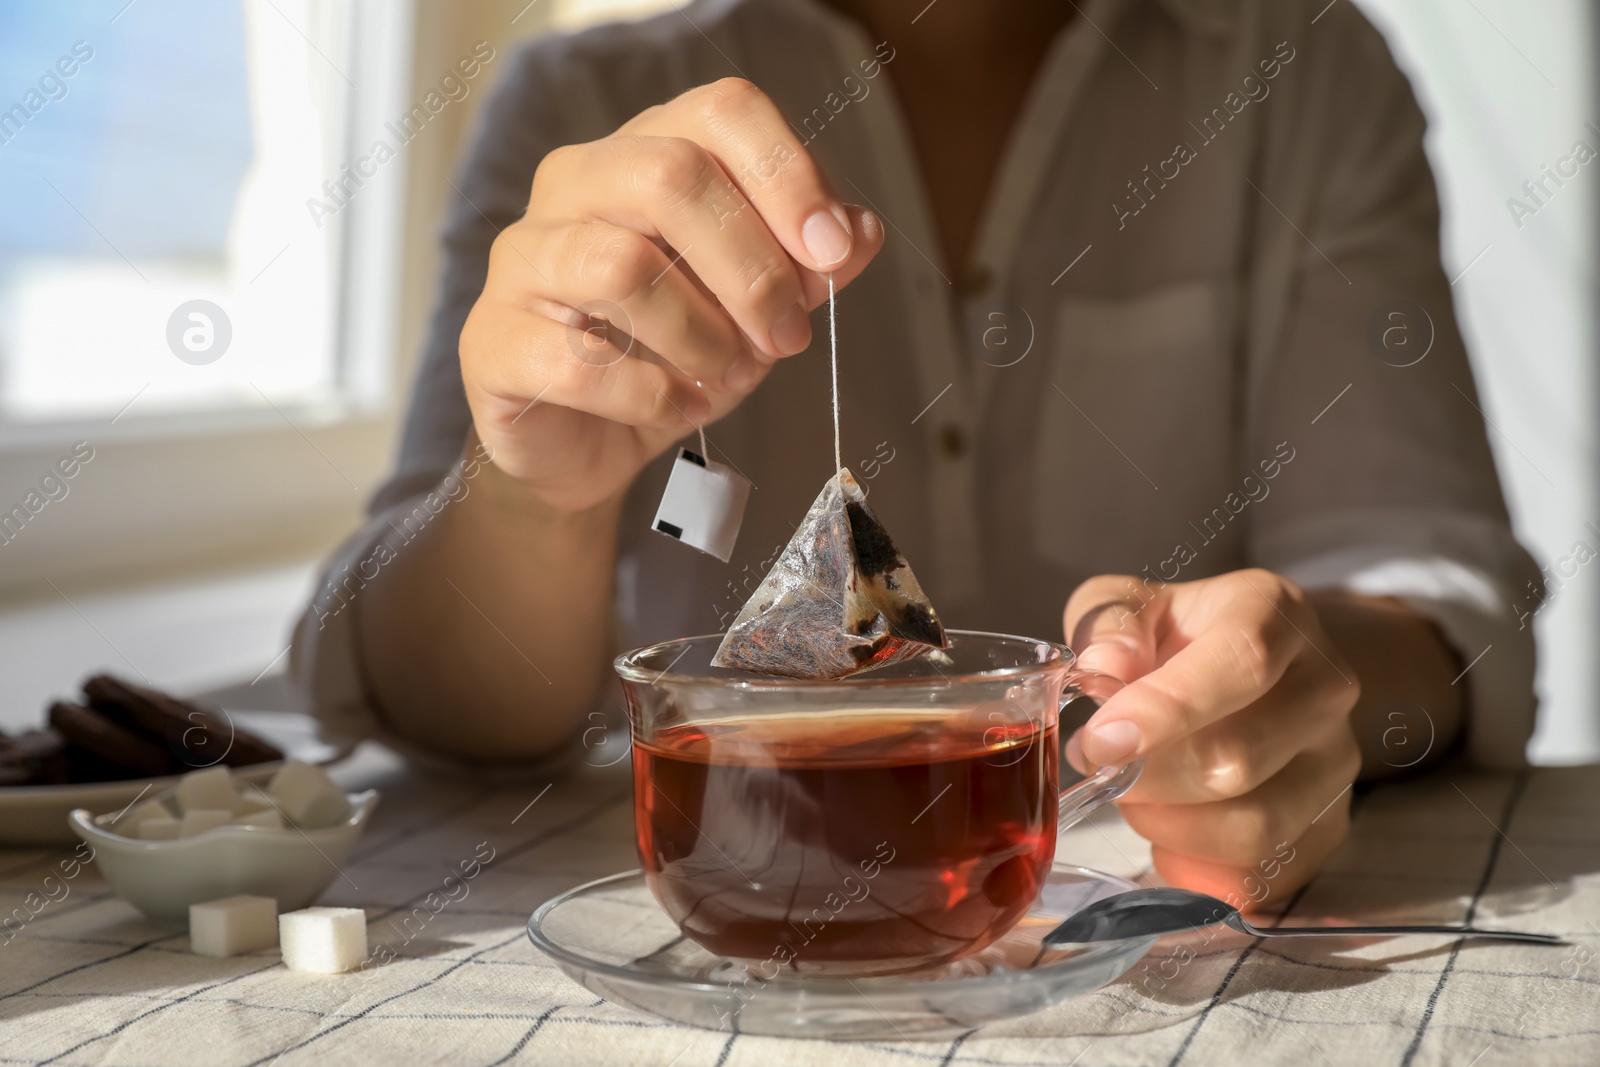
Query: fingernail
{"x": 827, "y": 238}
{"x": 792, "y": 333}
{"x": 1115, "y": 742}
{"x": 742, "y": 375}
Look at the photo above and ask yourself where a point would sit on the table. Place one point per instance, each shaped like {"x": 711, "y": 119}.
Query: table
{"x": 88, "y": 981}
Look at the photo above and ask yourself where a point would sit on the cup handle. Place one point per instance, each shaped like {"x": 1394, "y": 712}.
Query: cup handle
{"x": 1107, "y": 783}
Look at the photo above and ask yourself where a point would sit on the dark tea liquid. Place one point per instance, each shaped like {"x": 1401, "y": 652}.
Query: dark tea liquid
{"x": 858, "y": 842}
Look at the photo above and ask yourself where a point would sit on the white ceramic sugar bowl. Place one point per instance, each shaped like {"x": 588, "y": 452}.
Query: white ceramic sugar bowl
{"x": 162, "y": 878}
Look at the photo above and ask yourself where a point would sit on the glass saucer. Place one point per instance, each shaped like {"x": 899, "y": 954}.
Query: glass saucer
{"x": 611, "y": 937}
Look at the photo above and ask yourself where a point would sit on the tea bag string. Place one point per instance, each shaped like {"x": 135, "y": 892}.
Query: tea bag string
{"x": 833, "y": 362}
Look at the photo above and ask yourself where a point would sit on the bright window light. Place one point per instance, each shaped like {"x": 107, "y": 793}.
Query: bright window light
{"x": 143, "y": 174}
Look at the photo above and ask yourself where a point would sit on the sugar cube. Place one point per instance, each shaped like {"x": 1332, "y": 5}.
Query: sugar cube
{"x": 323, "y": 940}
{"x": 199, "y": 820}
{"x": 127, "y": 824}
{"x": 267, "y": 817}
{"x": 233, "y": 925}
{"x": 251, "y": 800}
{"x": 158, "y": 828}
{"x": 210, "y": 788}
{"x": 307, "y": 797}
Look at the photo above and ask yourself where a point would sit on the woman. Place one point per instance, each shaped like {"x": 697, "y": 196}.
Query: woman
{"x": 1143, "y": 333}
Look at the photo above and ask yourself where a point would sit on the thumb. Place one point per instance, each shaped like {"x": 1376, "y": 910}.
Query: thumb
{"x": 867, "y": 239}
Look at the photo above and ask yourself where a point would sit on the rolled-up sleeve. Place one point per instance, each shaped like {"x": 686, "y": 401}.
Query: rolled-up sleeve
{"x": 324, "y": 661}
{"x": 519, "y": 126}
{"x": 1392, "y": 489}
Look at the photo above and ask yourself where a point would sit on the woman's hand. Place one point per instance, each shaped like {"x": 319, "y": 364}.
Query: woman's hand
{"x": 657, "y": 275}
{"x": 1239, "y": 704}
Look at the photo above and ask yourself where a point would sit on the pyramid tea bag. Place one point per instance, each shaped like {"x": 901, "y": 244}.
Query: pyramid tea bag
{"x": 839, "y": 600}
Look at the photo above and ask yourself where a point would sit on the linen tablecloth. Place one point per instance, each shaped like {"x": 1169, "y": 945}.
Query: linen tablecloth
{"x": 87, "y": 981}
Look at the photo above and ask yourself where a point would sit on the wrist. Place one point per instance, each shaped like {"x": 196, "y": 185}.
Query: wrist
{"x": 1412, "y": 712}
{"x": 526, "y": 508}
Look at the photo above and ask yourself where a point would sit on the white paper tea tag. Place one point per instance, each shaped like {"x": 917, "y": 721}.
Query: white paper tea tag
{"x": 703, "y": 505}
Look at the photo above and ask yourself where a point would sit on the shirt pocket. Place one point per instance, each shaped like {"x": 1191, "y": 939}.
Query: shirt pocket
{"x": 1137, "y": 426}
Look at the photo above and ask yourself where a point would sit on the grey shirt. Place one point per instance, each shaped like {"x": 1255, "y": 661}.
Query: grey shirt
{"x": 1205, "y": 327}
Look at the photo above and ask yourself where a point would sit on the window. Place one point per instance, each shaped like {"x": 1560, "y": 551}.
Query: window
{"x": 159, "y": 254}
{"x": 200, "y": 275}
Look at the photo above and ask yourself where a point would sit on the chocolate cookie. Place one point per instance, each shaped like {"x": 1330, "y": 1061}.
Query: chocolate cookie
{"x": 78, "y": 765}
{"x": 32, "y": 758}
{"x": 195, "y": 736}
{"x": 91, "y": 732}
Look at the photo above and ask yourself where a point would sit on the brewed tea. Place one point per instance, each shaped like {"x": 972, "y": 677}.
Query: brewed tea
{"x": 853, "y": 842}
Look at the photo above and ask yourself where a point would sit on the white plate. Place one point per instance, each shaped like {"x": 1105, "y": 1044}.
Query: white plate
{"x": 37, "y": 814}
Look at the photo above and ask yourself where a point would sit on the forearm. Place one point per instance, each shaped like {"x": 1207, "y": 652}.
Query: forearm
{"x": 488, "y": 636}
{"x": 1411, "y": 713}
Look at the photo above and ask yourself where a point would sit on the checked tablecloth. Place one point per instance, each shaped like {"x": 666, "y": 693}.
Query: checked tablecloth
{"x": 88, "y": 981}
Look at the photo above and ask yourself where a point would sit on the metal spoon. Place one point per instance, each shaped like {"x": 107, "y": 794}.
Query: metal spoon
{"x": 1143, "y": 912}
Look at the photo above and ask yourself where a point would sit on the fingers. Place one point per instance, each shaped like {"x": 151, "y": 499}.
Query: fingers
{"x": 744, "y": 131}
{"x": 1279, "y": 869}
{"x": 1242, "y": 830}
{"x": 663, "y": 305}
{"x": 1221, "y": 643}
{"x": 1241, "y": 752}
{"x": 510, "y": 354}
{"x": 619, "y": 272}
{"x": 674, "y": 189}
{"x": 566, "y": 271}
{"x": 719, "y": 175}
{"x": 1239, "y": 705}
{"x": 658, "y": 272}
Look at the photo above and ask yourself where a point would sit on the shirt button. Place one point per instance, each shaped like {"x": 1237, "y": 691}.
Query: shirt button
{"x": 952, "y": 442}
{"x": 974, "y": 281}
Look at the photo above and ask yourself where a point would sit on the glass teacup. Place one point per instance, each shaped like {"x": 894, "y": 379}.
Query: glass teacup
{"x": 895, "y": 820}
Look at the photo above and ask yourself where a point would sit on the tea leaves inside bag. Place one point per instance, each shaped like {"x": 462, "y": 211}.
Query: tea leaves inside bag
{"x": 839, "y": 600}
